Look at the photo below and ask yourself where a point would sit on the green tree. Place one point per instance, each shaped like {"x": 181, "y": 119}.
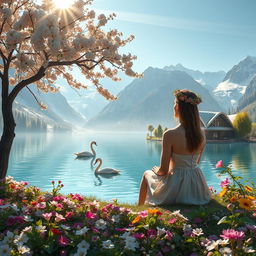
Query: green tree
{"x": 253, "y": 131}
{"x": 150, "y": 129}
{"x": 158, "y": 132}
{"x": 242, "y": 124}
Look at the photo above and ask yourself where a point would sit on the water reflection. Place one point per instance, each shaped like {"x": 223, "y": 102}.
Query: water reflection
{"x": 41, "y": 158}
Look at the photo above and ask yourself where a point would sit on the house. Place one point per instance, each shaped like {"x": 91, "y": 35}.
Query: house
{"x": 217, "y": 125}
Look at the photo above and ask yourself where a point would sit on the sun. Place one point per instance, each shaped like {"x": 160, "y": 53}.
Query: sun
{"x": 63, "y": 4}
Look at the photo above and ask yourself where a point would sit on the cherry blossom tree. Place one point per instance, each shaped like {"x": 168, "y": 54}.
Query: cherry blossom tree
{"x": 40, "y": 42}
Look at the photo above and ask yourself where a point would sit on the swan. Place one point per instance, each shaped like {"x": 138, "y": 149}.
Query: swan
{"x": 86, "y": 153}
{"x": 104, "y": 170}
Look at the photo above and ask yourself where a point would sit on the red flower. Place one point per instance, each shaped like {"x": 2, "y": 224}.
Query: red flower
{"x": 90, "y": 215}
{"x": 55, "y": 231}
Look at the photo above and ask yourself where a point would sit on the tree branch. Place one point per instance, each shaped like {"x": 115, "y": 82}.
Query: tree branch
{"x": 23, "y": 83}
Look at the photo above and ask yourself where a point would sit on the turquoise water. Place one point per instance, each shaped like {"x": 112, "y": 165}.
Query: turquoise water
{"x": 41, "y": 158}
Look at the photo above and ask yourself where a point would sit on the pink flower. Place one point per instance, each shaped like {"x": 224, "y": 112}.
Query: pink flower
{"x": 219, "y": 164}
{"x": 63, "y": 241}
{"x": 143, "y": 214}
{"x": 152, "y": 233}
{"x": 90, "y": 215}
{"x": 139, "y": 235}
{"x": 59, "y": 217}
{"x": 169, "y": 235}
{"x": 47, "y": 216}
{"x": 232, "y": 234}
{"x": 69, "y": 214}
{"x": 172, "y": 220}
{"x": 225, "y": 183}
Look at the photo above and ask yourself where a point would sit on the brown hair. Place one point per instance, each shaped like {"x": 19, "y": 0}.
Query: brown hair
{"x": 189, "y": 117}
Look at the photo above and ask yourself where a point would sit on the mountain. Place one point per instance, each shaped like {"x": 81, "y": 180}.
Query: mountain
{"x": 209, "y": 79}
{"x": 149, "y": 100}
{"x": 233, "y": 86}
{"x": 248, "y": 101}
{"x": 59, "y": 115}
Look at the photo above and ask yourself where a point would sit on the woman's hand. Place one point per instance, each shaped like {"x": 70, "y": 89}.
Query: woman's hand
{"x": 158, "y": 171}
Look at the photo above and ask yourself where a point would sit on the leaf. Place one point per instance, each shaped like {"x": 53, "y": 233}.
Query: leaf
{"x": 224, "y": 220}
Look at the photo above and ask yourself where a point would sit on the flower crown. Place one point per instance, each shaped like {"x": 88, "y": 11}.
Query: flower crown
{"x": 183, "y": 96}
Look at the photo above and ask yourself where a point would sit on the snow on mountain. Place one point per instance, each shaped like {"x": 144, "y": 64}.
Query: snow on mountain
{"x": 232, "y": 88}
{"x": 208, "y": 79}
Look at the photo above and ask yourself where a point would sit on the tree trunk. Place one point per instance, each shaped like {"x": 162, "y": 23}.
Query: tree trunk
{"x": 7, "y": 136}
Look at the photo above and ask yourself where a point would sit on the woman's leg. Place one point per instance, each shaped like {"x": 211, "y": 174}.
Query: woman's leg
{"x": 143, "y": 191}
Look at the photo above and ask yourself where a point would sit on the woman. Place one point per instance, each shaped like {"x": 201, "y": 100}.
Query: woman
{"x": 178, "y": 179}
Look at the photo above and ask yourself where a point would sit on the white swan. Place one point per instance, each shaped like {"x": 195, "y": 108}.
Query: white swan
{"x": 86, "y": 153}
{"x": 104, "y": 170}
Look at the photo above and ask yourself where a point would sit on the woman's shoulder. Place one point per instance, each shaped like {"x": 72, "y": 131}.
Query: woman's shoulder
{"x": 172, "y": 132}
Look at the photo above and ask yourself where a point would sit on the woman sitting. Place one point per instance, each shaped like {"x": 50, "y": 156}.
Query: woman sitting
{"x": 179, "y": 179}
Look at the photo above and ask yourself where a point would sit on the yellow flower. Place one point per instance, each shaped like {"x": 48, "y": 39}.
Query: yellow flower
{"x": 223, "y": 192}
{"x": 248, "y": 188}
{"x": 245, "y": 203}
{"x": 137, "y": 219}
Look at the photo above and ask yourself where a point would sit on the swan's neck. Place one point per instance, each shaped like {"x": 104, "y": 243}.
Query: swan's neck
{"x": 98, "y": 167}
{"x": 93, "y": 151}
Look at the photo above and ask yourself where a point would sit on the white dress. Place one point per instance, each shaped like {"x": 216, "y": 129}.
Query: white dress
{"x": 185, "y": 184}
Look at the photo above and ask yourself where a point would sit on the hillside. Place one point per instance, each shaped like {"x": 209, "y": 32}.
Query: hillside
{"x": 149, "y": 100}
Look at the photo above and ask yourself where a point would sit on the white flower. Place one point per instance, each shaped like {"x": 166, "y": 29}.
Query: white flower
{"x": 5, "y": 250}
{"x": 41, "y": 229}
{"x": 83, "y": 245}
{"x": 160, "y": 231}
{"x": 197, "y": 232}
{"x": 20, "y": 239}
{"x": 24, "y": 249}
{"x": 107, "y": 244}
{"x": 212, "y": 245}
{"x": 115, "y": 218}
{"x": 101, "y": 224}
{"x": 226, "y": 251}
{"x": 82, "y": 231}
{"x": 27, "y": 218}
{"x": 27, "y": 229}
{"x": 187, "y": 227}
{"x": 8, "y": 238}
{"x": 65, "y": 227}
{"x": 131, "y": 243}
{"x": 125, "y": 235}
{"x": 248, "y": 249}
{"x": 15, "y": 208}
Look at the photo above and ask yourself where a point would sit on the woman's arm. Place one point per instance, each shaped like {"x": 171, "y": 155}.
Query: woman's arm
{"x": 165, "y": 155}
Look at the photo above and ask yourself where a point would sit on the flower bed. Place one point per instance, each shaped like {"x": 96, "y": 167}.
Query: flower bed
{"x": 33, "y": 222}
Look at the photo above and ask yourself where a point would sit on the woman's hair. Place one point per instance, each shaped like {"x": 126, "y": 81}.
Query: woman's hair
{"x": 189, "y": 117}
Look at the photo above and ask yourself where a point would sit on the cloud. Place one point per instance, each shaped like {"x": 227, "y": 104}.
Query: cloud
{"x": 178, "y": 23}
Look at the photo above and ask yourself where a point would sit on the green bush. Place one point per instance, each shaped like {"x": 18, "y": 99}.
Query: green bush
{"x": 242, "y": 124}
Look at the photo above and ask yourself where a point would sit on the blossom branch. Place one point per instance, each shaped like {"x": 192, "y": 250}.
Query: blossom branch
{"x": 23, "y": 83}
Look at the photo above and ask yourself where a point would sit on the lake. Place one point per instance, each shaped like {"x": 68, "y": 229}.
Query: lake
{"x": 41, "y": 158}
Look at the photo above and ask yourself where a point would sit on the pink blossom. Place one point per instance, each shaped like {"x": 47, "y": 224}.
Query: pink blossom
{"x": 63, "y": 241}
{"x": 225, "y": 183}
{"x": 69, "y": 214}
{"x": 152, "y": 233}
{"x": 47, "y": 216}
{"x": 169, "y": 235}
{"x": 232, "y": 234}
{"x": 219, "y": 164}
{"x": 59, "y": 217}
{"x": 139, "y": 235}
{"x": 198, "y": 220}
{"x": 143, "y": 214}
{"x": 172, "y": 220}
{"x": 90, "y": 215}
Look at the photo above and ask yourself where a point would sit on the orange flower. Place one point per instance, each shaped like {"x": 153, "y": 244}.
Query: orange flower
{"x": 223, "y": 192}
{"x": 137, "y": 219}
{"x": 233, "y": 199}
{"x": 153, "y": 211}
{"x": 245, "y": 203}
{"x": 248, "y": 188}
{"x": 251, "y": 197}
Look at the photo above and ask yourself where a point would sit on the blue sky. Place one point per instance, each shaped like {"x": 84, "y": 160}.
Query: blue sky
{"x": 208, "y": 35}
